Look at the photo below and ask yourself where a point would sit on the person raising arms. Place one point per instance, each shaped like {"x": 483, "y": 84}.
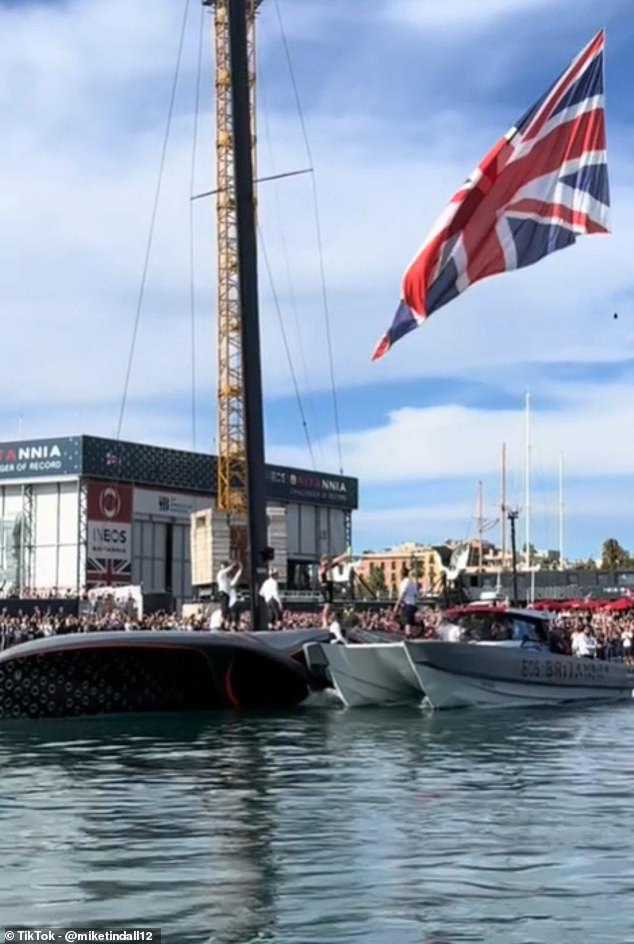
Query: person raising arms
{"x": 327, "y": 582}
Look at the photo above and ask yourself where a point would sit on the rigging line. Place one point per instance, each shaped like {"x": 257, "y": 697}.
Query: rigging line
{"x": 260, "y": 180}
{"x": 276, "y": 302}
{"x": 192, "y": 242}
{"x": 150, "y": 237}
{"x": 289, "y": 274}
{"x": 320, "y": 251}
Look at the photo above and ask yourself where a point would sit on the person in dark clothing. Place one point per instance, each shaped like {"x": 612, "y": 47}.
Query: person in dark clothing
{"x": 327, "y": 583}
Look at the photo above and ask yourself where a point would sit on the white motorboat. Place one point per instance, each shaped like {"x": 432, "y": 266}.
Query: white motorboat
{"x": 505, "y": 658}
{"x": 363, "y": 674}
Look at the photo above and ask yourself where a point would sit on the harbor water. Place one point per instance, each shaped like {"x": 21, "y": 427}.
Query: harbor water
{"x": 323, "y": 825}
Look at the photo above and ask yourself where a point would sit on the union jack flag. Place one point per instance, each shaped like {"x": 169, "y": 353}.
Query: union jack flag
{"x": 540, "y": 187}
{"x": 102, "y": 572}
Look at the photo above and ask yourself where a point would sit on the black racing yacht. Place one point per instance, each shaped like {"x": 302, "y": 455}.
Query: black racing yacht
{"x": 150, "y": 671}
{"x": 147, "y": 670}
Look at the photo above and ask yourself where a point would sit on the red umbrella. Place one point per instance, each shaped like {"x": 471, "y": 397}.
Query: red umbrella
{"x": 618, "y": 606}
{"x": 584, "y": 604}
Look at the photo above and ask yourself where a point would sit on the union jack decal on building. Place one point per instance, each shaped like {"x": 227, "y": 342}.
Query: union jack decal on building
{"x": 109, "y": 533}
{"x": 540, "y": 187}
{"x": 103, "y": 572}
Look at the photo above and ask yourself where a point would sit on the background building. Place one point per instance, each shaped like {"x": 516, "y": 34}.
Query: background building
{"x": 426, "y": 563}
{"x": 422, "y": 560}
{"x": 78, "y": 512}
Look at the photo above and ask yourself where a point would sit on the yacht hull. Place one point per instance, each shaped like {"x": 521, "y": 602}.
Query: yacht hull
{"x": 119, "y": 672}
{"x": 370, "y": 674}
{"x": 460, "y": 675}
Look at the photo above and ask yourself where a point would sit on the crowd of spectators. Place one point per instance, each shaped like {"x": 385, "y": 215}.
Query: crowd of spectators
{"x": 44, "y": 622}
{"x": 598, "y": 634}
{"x": 12, "y": 592}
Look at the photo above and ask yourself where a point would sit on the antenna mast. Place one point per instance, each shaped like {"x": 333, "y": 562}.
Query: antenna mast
{"x": 503, "y": 508}
{"x": 480, "y": 525}
{"x": 561, "y": 512}
{"x": 527, "y": 518}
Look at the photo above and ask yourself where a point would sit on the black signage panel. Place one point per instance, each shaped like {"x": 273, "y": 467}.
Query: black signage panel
{"x": 314, "y": 488}
{"x": 156, "y": 466}
{"x": 37, "y": 458}
{"x": 148, "y": 465}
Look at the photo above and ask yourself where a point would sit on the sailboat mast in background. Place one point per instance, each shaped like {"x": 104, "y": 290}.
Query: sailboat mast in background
{"x": 561, "y": 513}
{"x": 480, "y": 525}
{"x": 503, "y": 508}
{"x": 527, "y": 503}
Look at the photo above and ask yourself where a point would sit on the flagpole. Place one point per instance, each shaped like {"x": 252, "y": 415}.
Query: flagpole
{"x": 480, "y": 527}
{"x": 527, "y": 503}
{"x": 561, "y": 511}
{"x": 503, "y": 508}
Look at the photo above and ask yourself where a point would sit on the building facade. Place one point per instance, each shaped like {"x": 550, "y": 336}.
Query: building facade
{"x": 80, "y": 512}
{"x": 428, "y": 564}
{"x": 423, "y": 561}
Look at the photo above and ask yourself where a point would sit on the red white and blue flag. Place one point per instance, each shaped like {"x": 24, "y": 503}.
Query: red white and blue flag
{"x": 540, "y": 187}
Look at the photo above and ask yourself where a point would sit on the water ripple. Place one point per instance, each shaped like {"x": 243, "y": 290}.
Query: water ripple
{"x": 394, "y": 827}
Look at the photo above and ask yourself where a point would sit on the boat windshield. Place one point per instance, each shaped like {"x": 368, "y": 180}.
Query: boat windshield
{"x": 529, "y": 631}
{"x": 449, "y": 632}
{"x": 492, "y": 627}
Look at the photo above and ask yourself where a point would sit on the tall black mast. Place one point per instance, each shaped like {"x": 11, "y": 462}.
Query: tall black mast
{"x": 248, "y": 265}
{"x": 512, "y": 516}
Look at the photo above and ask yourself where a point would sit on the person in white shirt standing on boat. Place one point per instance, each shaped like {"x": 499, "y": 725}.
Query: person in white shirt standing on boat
{"x": 223, "y": 582}
{"x": 216, "y": 622}
{"x": 234, "y": 609}
{"x": 407, "y": 600}
{"x": 270, "y": 593}
{"x": 583, "y": 645}
{"x": 336, "y": 635}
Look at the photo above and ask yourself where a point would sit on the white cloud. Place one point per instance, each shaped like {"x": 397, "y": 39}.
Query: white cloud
{"x": 414, "y": 444}
{"x": 376, "y": 210}
{"x": 457, "y": 14}
{"x": 412, "y": 516}
{"x": 83, "y": 94}
{"x": 583, "y": 500}
{"x": 591, "y": 515}
{"x": 85, "y": 89}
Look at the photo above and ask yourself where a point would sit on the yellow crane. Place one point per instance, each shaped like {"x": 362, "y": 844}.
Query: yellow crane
{"x": 231, "y": 486}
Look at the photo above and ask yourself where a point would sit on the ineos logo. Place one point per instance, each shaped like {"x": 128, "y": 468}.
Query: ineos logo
{"x": 109, "y": 502}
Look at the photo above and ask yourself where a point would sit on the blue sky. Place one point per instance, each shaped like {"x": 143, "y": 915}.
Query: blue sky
{"x": 401, "y": 99}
